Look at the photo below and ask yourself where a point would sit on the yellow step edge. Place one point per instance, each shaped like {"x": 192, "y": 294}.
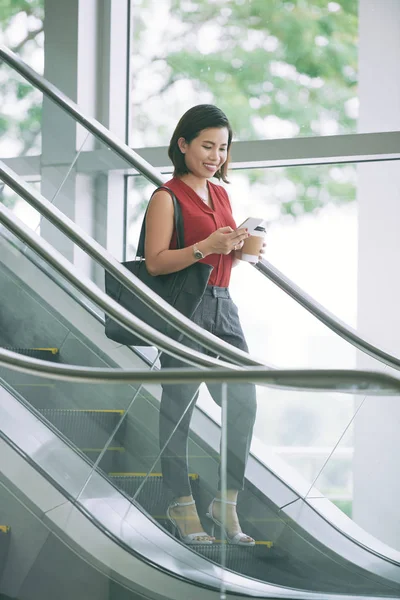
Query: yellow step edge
{"x": 258, "y": 543}
{"x": 52, "y": 350}
{"x": 265, "y": 543}
{"x": 191, "y": 475}
{"x": 5, "y": 528}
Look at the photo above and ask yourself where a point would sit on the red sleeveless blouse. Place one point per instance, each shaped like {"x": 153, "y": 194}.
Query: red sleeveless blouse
{"x": 200, "y": 221}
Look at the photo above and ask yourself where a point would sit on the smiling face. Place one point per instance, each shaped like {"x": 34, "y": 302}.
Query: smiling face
{"x": 207, "y": 152}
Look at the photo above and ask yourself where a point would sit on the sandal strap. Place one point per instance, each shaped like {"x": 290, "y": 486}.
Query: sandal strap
{"x": 182, "y": 504}
{"x": 196, "y": 536}
{"x": 240, "y": 537}
{"x": 224, "y": 501}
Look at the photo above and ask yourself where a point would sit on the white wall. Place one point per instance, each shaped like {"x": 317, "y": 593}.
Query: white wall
{"x": 377, "y": 429}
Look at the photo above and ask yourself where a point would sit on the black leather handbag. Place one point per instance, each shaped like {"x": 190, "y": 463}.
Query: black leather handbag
{"x": 183, "y": 289}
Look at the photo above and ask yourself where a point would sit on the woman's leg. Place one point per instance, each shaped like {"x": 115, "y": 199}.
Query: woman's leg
{"x": 177, "y": 404}
{"x": 241, "y": 413}
{"x": 242, "y": 402}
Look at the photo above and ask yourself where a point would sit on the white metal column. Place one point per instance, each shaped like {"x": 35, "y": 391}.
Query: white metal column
{"x": 113, "y": 113}
{"x": 86, "y": 57}
{"x": 377, "y": 428}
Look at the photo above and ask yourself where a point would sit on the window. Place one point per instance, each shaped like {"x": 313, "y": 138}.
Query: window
{"x": 21, "y": 30}
{"x": 278, "y": 68}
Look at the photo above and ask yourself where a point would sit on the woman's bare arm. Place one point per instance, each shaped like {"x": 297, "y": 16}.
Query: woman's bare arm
{"x": 160, "y": 260}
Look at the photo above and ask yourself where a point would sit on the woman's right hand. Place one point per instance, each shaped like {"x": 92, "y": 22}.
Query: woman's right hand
{"x": 224, "y": 240}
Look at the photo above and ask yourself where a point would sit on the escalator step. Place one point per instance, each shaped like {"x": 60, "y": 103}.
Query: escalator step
{"x": 87, "y": 429}
{"x": 252, "y": 561}
{"x": 49, "y": 354}
{"x": 153, "y": 497}
{"x": 90, "y": 430}
{"x": 39, "y": 392}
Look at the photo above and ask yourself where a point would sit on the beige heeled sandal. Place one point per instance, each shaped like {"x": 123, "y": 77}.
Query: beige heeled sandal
{"x": 237, "y": 539}
{"x": 192, "y": 538}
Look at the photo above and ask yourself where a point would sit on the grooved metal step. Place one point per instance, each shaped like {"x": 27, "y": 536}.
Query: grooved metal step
{"x": 38, "y": 391}
{"x": 153, "y": 496}
{"x": 90, "y": 431}
{"x": 87, "y": 429}
{"x": 253, "y": 562}
{"x": 154, "y": 499}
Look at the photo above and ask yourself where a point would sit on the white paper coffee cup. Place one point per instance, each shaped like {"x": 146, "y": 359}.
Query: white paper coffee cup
{"x": 253, "y": 244}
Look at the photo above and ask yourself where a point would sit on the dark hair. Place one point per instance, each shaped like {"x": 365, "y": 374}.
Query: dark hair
{"x": 202, "y": 116}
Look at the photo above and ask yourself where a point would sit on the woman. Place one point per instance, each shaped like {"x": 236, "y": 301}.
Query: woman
{"x": 199, "y": 150}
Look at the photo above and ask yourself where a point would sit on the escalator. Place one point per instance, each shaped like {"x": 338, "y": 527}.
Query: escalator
{"x": 75, "y": 454}
{"x": 59, "y": 430}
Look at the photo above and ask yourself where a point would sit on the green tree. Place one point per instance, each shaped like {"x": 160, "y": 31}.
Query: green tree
{"x": 295, "y": 60}
{"x": 278, "y": 68}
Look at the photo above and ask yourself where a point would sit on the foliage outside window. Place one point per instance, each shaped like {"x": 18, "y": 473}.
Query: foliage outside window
{"x": 278, "y": 68}
{"x": 21, "y": 30}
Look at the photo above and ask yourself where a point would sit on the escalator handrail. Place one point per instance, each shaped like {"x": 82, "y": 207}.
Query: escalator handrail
{"x": 326, "y": 380}
{"x": 277, "y": 378}
{"x": 65, "y": 287}
{"x": 347, "y": 381}
{"x": 110, "y": 264}
{"x": 107, "y": 304}
{"x": 153, "y": 175}
{"x": 166, "y": 311}
{"x": 71, "y": 108}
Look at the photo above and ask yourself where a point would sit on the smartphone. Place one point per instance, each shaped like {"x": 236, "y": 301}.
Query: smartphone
{"x": 251, "y": 223}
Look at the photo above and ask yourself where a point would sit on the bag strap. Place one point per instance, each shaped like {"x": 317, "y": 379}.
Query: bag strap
{"x": 178, "y": 222}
